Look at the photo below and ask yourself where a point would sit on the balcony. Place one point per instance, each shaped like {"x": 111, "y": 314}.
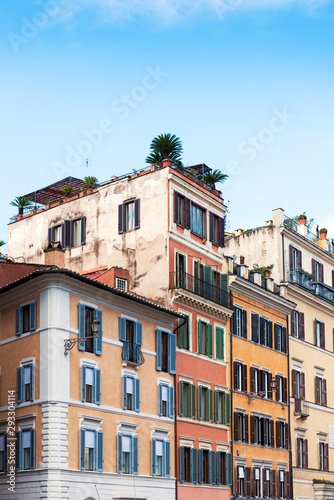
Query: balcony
{"x": 305, "y": 280}
{"x": 301, "y": 408}
{"x": 198, "y": 287}
{"x": 132, "y": 353}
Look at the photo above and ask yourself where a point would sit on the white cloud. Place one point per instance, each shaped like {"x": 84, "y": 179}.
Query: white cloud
{"x": 170, "y": 11}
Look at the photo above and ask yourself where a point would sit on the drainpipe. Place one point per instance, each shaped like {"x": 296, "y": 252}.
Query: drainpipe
{"x": 234, "y": 495}
{"x": 289, "y": 408}
{"x": 283, "y": 260}
{"x": 175, "y": 417}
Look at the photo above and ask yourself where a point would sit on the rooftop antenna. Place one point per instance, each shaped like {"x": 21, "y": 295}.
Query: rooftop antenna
{"x": 87, "y": 162}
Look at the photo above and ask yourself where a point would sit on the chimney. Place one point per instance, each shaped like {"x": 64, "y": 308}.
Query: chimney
{"x": 268, "y": 223}
{"x": 242, "y": 260}
{"x": 238, "y": 232}
{"x": 167, "y": 162}
{"x": 243, "y": 271}
{"x": 302, "y": 227}
{"x": 54, "y": 257}
{"x": 278, "y": 217}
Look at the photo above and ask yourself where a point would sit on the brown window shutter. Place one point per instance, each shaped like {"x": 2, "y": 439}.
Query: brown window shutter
{"x": 252, "y": 379}
{"x": 321, "y": 273}
{"x": 313, "y": 268}
{"x": 301, "y": 329}
{"x": 264, "y": 483}
{"x": 299, "y": 462}
{"x": 302, "y": 378}
{"x": 252, "y": 428}
{"x": 299, "y": 259}
{"x": 326, "y": 458}
{"x": 332, "y": 279}
{"x": 294, "y": 383}
{"x": 317, "y": 398}
{"x": 287, "y": 484}
{"x": 246, "y": 428}
{"x": 137, "y": 213}
{"x": 235, "y": 370}
{"x": 221, "y": 232}
{"x": 121, "y": 218}
{"x": 248, "y": 472}
{"x": 272, "y": 434}
{"x": 270, "y": 392}
{"x": 278, "y": 434}
{"x": 322, "y": 335}
{"x": 236, "y": 426}
{"x": 286, "y": 444}
{"x": 324, "y": 392}
{"x": 244, "y": 378}
{"x": 291, "y": 257}
{"x": 211, "y": 217}
{"x": 273, "y": 483}
{"x": 176, "y": 207}
{"x": 293, "y": 323}
{"x": 305, "y": 450}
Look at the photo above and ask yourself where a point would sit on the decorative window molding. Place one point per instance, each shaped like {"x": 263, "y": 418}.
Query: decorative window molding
{"x": 161, "y": 434}
{"x": 204, "y": 444}
{"x": 297, "y": 364}
{"x": 90, "y": 423}
{"x": 126, "y": 428}
{"x": 88, "y": 362}
{"x": 164, "y": 381}
{"x": 185, "y": 378}
{"x": 186, "y": 442}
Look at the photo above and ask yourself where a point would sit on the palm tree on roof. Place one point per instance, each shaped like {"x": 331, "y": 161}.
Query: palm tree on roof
{"x": 165, "y": 146}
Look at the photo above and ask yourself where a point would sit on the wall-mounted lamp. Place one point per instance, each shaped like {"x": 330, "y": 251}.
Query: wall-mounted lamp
{"x": 70, "y": 343}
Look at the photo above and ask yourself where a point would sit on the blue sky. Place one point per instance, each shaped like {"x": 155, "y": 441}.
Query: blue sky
{"x": 246, "y": 85}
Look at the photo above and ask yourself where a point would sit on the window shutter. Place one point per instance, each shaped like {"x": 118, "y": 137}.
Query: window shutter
{"x": 235, "y": 375}
{"x": 160, "y": 400}
{"x": 200, "y": 403}
{"x": 262, "y": 321}
{"x": 284, "y": 339}
{"x": 50, "y": 234}
{"x": 270, "y": 391}
{"x": 83, "y": 231}
{"x": 31, "y": 382}
{"x": 153, "y": 458}
{"x": 294, "y": 383}
{"x": 119, "y": 453}
{"x": 227, "y": 408}
{"x": 32, "y": 316}
{"x": 270, "y": 336}
{"x": 285, "y": 390}
{"x": 219, "y": 468}
{"x": 264, "y": 482}
{"x": 82, "y": 314}
{"x": 299, "y": 259}
{"x": 276, "y": 336}
{"x": 181, "y": 405}
{"x": 210, "y": 395}
{"x": 302, "y": 378}
{"x": 287, "y": 484}
{"x": 137, "y": 394}
{"x": 252, "y": 429}
{"x": 172, "y": 353}
{"x": 98, "y": 338}
{"x": 252, "y": 379}
{"x": 200, "y": 336}
{"x": 158, "y": 350}
{"x": 138, "y": 333}
{"x": 221, "y": 232}
{"x": 167, "y": 457}
{"x": 67, "y": 234}
{"x": 278, "y": 434}
{"x": 248, "y": 481}
{"x": 212, "y": 467}
{"x": 273, "y": 483}
{"x": 200, "y": 466}
{"x": 229, "y": 469}
{"x": 18, "y": 450}
{"x": 322, "y": 335}
{"x": 193, "y": 465}
{"x": 326, "y": 458}
{"x": 182, "y": 471}
{"x": 121, "y": 218}
{"x": 286, "y": 435}
{"x": 209, "y": 340}
{"x": 187, "y": 212}
{"x": 170, "y": 402}
{"x": 124, "y": 392}
{"x": 234, "y": 323}
{"x": 216, "y": 406}
{"x": 305, "y": 450}
{"x": 244, "y": 324}
{"x": 315, "y": 331}
{"x": 291, "y": 257}
{"x": 122, "y": 328}
{"x": 236, "y": 426}
{"x": 246, "y": 428}
{"x": 19, "y": 321}
{"x": 321, "y": 273}
{"x": 82, "y": 449}
{"x": 332, "y": 279}
{"x": 271, "y": 433}
{"x": 244, "y": 378}
{"x": 324, "y": 392}
{"x": 255, "y": 327}
{"x": 137, "y": 213}
{"x": 193, "y": 400}
{"x": 99, "y": 451}
{"x": 293, "y": 324}
{"x": 176, "y": 207}
{"x": 97, "y": 375}
{"x": 20, "y": 381}
{"x": 83, "y": 383}
{"x": 317, "y": 395}
{"x": 135, "y": 454}
{"x": 301, "y": 329}
{"x": 299, "y": 458}
{"x": 211, "y": 227}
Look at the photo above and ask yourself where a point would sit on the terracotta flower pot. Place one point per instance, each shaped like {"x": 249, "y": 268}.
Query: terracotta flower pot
{"x": 323, "y": 236}
{"x": 302, "y": 221}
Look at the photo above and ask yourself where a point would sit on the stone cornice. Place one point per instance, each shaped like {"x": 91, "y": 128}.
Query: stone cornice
{"x": 201, "y": 304}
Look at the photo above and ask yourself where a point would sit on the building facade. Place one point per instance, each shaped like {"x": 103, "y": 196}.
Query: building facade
{"x": 92, "y": 419}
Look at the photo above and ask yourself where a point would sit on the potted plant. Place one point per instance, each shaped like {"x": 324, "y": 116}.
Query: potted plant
{"x": 21, "y": 202}
{"x": 302, "y": 219}
{"x": 67, "y": 189}
{"x": 268, "y": 272}
{"x": 47, "y": 203}
{"x": 91, "y": 183}
{"x": 323, "y": 233}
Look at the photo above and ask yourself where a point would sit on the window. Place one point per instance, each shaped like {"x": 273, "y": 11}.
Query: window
{"x": 166, "y": 401}
{"x": 128, "y": 216}
{"x": 131, "y": 393}
{"x": 90, "y": 385}
{"x": 267, "y": 487}
{"x": 165, "y": 351}
{"x": 255, "y": 320}
{"x": 240, "y": 376}
{"x": 122, "y": 284}
{"x": 302, "y": 453}
{"x": 224, "y": 468}
{"x": 257, "y": 482}
{"x": 25, "y": 383}
{"x": 323, "y": 457}
{"x": 283, "y": 484}
{"x": 297, "y": 325}
{"x": 205, "y": 404}
{"x": 240, "y": 427}
{"x": 183, "y": 333}
{"x": 295, "y": 258}
{"x": 320, "y": 391}
{"x": 298, "y": 384}
{"x": 25, "y": 318}
{"x": 266, "y": 332}
{"x": 239, "y": 322}
{"x": 181, "y": 267}
{"x": 127, "y": 454}
{"x": 160, "y": 458}
{"x": 25, "y": 449}
{"x": 220, "y": 341}
{"x": 280, "y": 338}
{"x": 71, "y": 233}
{"x": 131, "y": 334}
{"x": 261, "y": 431}
{"x": 181, "y": 210}
{"x": 86, "y": 317}
{"x": 282, "y": 435}
{"x": 187, "y": 399}
{"x": 282, "y": 389}
{"x": 266, "y": 384}
{"x": 91, "y": 450}
{"x": 317, "y": 271}
{"x": 319, "y": 334}
{"x": 242, "y": 477}
{"x": 204, "y": 338}
{"x": 217, "y": 230}
{"x": 222, "y": 408}
{"x": 255, "y": 379}
{"x": 198, "y": 220}
{"x": 206, "y": 467}
{"x": 188, "y": 465}
{"x": 3, "y": 452}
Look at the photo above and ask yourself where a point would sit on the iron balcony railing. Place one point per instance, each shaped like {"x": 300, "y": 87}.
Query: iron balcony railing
{"x": 313, "y": 237}
{"x": 199, "y": 287}
{"x": 305, "y": 280}
{"x": 132, "y": 353}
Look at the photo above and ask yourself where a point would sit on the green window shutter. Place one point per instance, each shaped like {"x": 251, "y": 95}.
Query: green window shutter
{"x": 199, "y": 336}
{"x": 216, "y": 405}
{"x": 82, "y": 317}
{"x": 224, "y": 282}
{"x": 229, "y": 470}
{"x": 220, "y": 343}
{"x": 19, "y": 321}
{"x": 82, "y": 449}
{"x": 32, "y": 316}
{"x": 212, "y": 467}
{"x": 182, "y": 471}
{"x": 200, "y": 403}
{"x": 158, "y": 350}
{"x": 181, "y": 403}
{"x": 209, "y": 340}
{"x": 83, "y": 383}
{"x": 210, "y": 405}
{"x": 193, "y": 400}
{"x": 227, "y": 408}
{"x": 97, "y": 379}
{"x": 153, "y": 458}
{"x": 181, "y": 332}
{"x": 98, "y": 338}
